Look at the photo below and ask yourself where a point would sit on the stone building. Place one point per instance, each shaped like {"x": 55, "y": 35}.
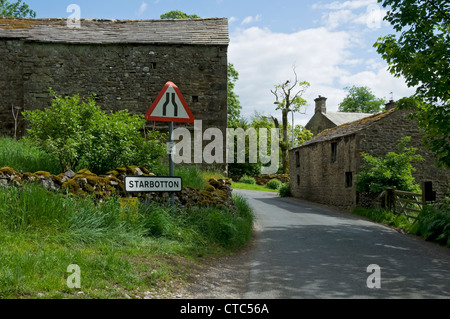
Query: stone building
{"x": 323, "y": 169}
{"x": 125, "y": 63}
{"x": 323, "y": 119}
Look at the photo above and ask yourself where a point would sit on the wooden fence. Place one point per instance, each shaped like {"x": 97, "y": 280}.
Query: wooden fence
{"x": 405, "y": 203}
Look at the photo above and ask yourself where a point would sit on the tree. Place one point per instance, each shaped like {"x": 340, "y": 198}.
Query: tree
{"x": 361, "y": 100}
{"x": 392, "y": 170}
{"x": 420, "y": 54}
{"x": 234, "y": 106}
{"x": 288, "y": 98}
{"x": 176, "y": 14}
{"x": 16, "y": 9}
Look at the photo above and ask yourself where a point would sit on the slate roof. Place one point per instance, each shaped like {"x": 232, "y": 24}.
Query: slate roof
{"x": 211, "y": 31}
{"x": 347, "y": 128}
{"x": 340, "y": 118}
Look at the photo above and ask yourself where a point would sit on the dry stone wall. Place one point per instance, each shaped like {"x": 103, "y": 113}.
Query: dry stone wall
{"x": 217, "y": 192}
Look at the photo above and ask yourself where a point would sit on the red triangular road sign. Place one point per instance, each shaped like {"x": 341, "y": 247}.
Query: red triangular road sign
{"x": 170, "y": 106}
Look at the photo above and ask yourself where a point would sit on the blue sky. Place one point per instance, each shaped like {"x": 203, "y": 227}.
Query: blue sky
{"x": 329, "y": 42}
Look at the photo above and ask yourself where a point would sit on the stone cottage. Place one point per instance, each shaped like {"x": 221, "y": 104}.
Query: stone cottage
{"x": 125, "y": 63}
{"x": 323, "y": 169}
{"x": 323, "y": 119}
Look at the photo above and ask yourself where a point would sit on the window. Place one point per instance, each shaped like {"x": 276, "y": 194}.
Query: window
{"x": 194, "y": 99}
{"x": 348, "y": 179}
{"x": 333, "y": 152}
{"x": 297, "y": 158}
{"x": 153, "y": 65}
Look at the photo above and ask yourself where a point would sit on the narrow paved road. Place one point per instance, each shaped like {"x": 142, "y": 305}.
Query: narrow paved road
{"x": 305, "y": 250}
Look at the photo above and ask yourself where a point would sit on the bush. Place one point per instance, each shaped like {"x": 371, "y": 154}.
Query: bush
{"x": 433, "y": 223}
{"x": 391, "y": 170}
{"x": 274, "y": 183}
{"x": 285, "y": 190}
{"x": 247, "y": 180}
{"x": 81, "y": 135}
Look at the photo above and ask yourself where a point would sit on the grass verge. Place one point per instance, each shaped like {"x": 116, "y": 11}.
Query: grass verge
{"x": 121, "y": 252}
{"x": 252, "y": 187}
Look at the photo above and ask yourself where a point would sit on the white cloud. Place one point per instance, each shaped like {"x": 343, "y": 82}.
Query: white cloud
{"x": 251, "y": 19}
{"x": 322, "y": 57}
{"x": 231, "y": 20}
{"x": 264, "y": 58}
{"x": 339, "y": 5}
{"x": 142, "y": 8}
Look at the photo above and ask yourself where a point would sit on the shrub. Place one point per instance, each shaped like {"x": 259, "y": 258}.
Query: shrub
{"x": 81, "y": 134}
{"x": 247, "y": 180}
{"x": 433, "y": 223}
{"x": 285, "y": 190}
{"x": 274, "y": 184}
{"x": 391, "y": 170}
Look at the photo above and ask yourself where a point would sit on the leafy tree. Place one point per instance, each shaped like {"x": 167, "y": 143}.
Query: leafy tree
{"x": 301, "y": 134}
{"x": 392, "y": 170}
{"x": 79, "y": 133}
{"x": 288, "y": 99}
{"x": 176, "y": 14}
{"x": 361, "y": 100}
{"x": 419, "y": 52}
{"x": 234, "y": 106}
{"x": 16, "y": 9}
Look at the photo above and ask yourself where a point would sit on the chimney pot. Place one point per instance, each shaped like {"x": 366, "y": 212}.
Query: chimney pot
{"x": 321, "y": 104}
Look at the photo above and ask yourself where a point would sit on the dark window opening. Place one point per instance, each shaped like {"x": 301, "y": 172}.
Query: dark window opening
{"x": 153, "y": 65}
{"x": 297, "y": 159}
{"x": 348, "y": 179}
{"x": 333, "y": 152}
{"x": 194, "y": 99}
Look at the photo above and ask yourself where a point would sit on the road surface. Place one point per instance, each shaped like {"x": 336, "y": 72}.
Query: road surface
{"x": 306, "y": 250}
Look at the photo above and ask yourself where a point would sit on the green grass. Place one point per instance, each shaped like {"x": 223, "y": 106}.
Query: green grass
{"x": 119, "y": 250}
{"x": 252, "y": 187}
{"x": 192, "y": 176}
{"x": 21, "y": 155}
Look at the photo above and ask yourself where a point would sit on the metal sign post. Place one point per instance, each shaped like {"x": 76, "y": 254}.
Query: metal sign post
{"x": 171, "y": 167}
{"x": 170, "y": 106}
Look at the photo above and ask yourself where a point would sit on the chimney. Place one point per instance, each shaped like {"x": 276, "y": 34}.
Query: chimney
{"x": 321, "y": 104}
{"x": 390, "y": 105}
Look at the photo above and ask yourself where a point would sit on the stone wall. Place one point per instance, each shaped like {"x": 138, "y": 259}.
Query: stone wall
{"x": 315, "y": 177}
{"x": 123, "y": 76}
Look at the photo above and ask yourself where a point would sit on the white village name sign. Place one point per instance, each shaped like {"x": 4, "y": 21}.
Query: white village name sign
{"x": 143, "y": 184}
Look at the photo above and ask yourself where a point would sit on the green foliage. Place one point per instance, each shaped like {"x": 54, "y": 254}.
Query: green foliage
{"x": 21, "y": 155}
{"x": 274, "y": 184}
{"x": 419, "y": 53}
{"x": 434, "y": 223}
{"x": 361, "y": 100}
{"x": 81, "y": 134}
{"x": 176, "y": 14}
{"x": 247, "y": 180}
{"x": 285, "y": 190}
{"x": 16, "y": 9}
{"x": 384, "y": 217}
{"x": 234, "y": 106}
{"x": 392, "y": 170}
{"x": 301, "y": 134}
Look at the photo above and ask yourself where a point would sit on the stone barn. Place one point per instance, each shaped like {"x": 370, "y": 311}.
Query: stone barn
{"x": 126, "y": 63}
{"x": 323, "y": 169}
